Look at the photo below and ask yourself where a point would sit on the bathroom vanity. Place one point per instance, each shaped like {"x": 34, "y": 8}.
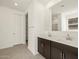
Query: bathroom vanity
{"x": 55, "y": 50}
{"x": 59, "y": 38}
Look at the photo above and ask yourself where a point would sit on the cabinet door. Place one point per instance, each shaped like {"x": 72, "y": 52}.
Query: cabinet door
{"x": 56, "y": 53}
{"x": 40, "y": 46}
{"x": 46, "y": 49}
{"x": 69, "y": 55}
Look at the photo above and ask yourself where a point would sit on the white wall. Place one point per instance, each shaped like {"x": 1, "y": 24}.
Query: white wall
{"x": 31, "y": 29}
{"x": 11, "y": 27}
{"x": 38, "y": 16}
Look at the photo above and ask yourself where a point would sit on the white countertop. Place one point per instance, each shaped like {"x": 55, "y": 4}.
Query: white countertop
{"x": 61, "y": 38}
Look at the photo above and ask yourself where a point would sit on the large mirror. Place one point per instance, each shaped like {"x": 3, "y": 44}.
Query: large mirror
{"x": 65, "y": 16}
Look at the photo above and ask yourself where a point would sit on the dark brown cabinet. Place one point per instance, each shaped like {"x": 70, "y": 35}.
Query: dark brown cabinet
{"x": 61, "y": 51}
{"x": 44, "y": 48}
{"x": 40, "y": 46}
{"x": 55, "y": 50}
{"x": 56, "y": 53}
{"x": 70, "y": 55}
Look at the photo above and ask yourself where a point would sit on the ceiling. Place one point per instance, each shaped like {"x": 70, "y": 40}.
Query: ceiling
{"x": 65, "y": 5}
{"x": 44, "y": 2}
{"x": 22, "y": 4}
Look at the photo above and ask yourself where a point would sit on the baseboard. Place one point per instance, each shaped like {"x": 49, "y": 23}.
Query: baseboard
{"x": 9, "y": 45}
{"x": 34, "y": 53}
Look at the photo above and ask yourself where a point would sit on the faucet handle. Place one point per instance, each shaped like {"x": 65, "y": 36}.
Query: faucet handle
{"x": 68, "y": 37}
{"x": 49, "y": 35}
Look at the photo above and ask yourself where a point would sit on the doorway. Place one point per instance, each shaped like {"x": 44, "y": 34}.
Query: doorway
{"x": 26, "y": 22}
